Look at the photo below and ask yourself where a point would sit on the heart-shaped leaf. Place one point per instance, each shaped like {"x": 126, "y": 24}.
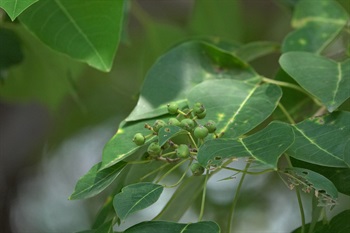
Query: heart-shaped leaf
{"x": 236, "y": 106}
{"x": 266, "y": 146}
{"x": 179, "y": 70}
{"x": 15, "y": 7}
{"x": 322, "y": 140}
{"x": 168, "y": 132}
{"x": 317, "y": 23}
{"x": 136, "y": 197}
{"x": 172, "y": 227}
{"x": 328, "y": 80}
{"x": 74, "y": 28}
{"x": 96, "y": 180}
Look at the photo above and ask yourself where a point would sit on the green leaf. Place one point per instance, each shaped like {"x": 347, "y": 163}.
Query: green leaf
{"x": 317, "y": 23}
{"x": 11, "y": 51}
{"x": 172, "y": 227}
{"x": 96, "y": 180}
{"x": 106, "y": 227}
{"x": 15, "y": 7}
{"x": 136, "y": 197}
{"x": 324, "y": 189}
{"x": 75, "y": 28}
{"x": 254, "y": 50}
{"x": 237, "y": 107}
{"x": 168, "y": 132}
{"x": 322, "y": 140}
{"x": 179, "y": 70}
{"x": 266, "y": 146}
{"x": 326, "y": 79}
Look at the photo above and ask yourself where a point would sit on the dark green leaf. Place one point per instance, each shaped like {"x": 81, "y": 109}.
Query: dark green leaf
{"x": 237, "y": 107}
{"x": 322, "y": 140}
{"x": 328, "y": 80}
{"x": 168, "y": 132}
{"x": 11, "y": 51}
{"x": 75, "y": 28}
{"x": 266, "y": 146}
{"x": 96, "y": 180}
{"x": 179, "y": 70}
{"x": 107, "y": 227}
{"x": 317, "y": 23}
{"x": 254, "y": 50}
{"x": 136, "y": 197}
{"x": 172, "y": 227}
{"x": 15, "y": 7}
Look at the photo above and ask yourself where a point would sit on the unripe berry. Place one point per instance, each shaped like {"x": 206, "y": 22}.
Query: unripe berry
{"x": 173, "y": 107}
{"x": 139, "y": 139}
{"x": 211, "y": 126}
{"x": 200, "y": 132}
{"x": 198, "y": 108}
{"x": 187, "y": 124}
{"x": 201, "y": 115}
{"x": 197, "y": 169}
{"x": 182, "y": 151}
{"x": 158, "y": 124}
{"x": 174, "y": 121}
{"x": 154, "y": 149}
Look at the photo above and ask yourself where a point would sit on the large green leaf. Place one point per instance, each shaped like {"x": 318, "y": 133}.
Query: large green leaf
{"x": 179, "y": 70}
{"x": 317, "y": 23}
{"x": 15, "y": 7}
{"x": 322, "y": 140}
{"x": 136, "y": 197}
{"x": 254, "y": 50}
{"x": 96, "y": 180}
{"x": 326, "y": 79}
{"x": 266, "y": 146}
{"x": 168, "y": 132}
{"x": 236, "y": 106}
{"x": 85, "y": 30}
{"x": 172, "y": 227}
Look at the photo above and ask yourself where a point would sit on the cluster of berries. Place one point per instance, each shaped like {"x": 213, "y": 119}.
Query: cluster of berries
{"x": 175, "y": 150}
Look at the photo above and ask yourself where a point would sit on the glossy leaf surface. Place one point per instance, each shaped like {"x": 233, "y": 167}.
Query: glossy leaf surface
{"x": 172, "y": 227}
{"x": 236, "y": 107}
{"x": 326, "y": 79}
{"x": 266, "y": 146}
{"x": 317, "y": 23}
{"x": 75, "y": 28}
{"x": 95, "y": 181}
{"x": 136, "y": 197}
{"x": 322, "y": 140}
{"x": 15, "y": 7}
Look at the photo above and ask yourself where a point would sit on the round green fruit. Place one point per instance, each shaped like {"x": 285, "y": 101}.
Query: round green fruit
{"x": 154, "y": 149}
{"x": 182, "y": 151}
{"x": 201, "y": 115}
{"x": 174, "y": 121}
{"x": 200, "y": 132}
{"x": 211, "y": 126}
{"x": 139, "y": 139}
{"x": 198, "y": 108}
{"x": 197, "y": 169}
{"x": 158, "y": 124}
{"x": 187, "y": 124}
{"x": 173, "y": 107}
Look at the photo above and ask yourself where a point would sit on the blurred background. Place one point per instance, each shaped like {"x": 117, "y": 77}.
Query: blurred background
{"x": 54, "y": 123}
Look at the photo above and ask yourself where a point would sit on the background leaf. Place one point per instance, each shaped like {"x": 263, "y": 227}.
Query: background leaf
{"x": 15, "y": 7}
{"x": 266, "y": 146}
{"x": 172, "y": 227}
{"x": 317, "y": 23}
{"x": 74, "y": 28}
{"x": 237, "y": 107}
{"x": 136, "y": 197}
{"x": 322, "y": 140}
{"x": 328, "y": 80}
{"x": 168, "y": 132}
{"x": 254, "y": 50}
{"x": 95, "y": 180}
{"x": 11, "y": 51}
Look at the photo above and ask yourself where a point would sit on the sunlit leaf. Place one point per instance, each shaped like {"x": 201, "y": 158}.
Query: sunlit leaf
{"x": 136, "y": 197}
{"x": 172, "y": 227}
{"x": 317, "y": 23}
{"x": 87, "y": 30}
{"x": 322, "y": 140}
{"x": 95, "y": 181}
{"x": 326, "y": 79}
{"x": 237, "y": 107}
{"x": 266, "y": 146}
{"x": 15, "y": 7}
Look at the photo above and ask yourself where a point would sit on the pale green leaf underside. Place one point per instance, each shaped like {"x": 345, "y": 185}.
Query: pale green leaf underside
{"x": 317, "y": 23}
{"x": 85, "y": 30}
{"x": 266, "y": 146}
{"x": 326, "y": 79}
{"x": 136, "y": 197}
{"x": 172, "y": 227}
{"x": 236, "y": 106}
{"x": 322, "y": 140}
{"x": 95, "y": 181}
{"x": 15, "y": 7}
